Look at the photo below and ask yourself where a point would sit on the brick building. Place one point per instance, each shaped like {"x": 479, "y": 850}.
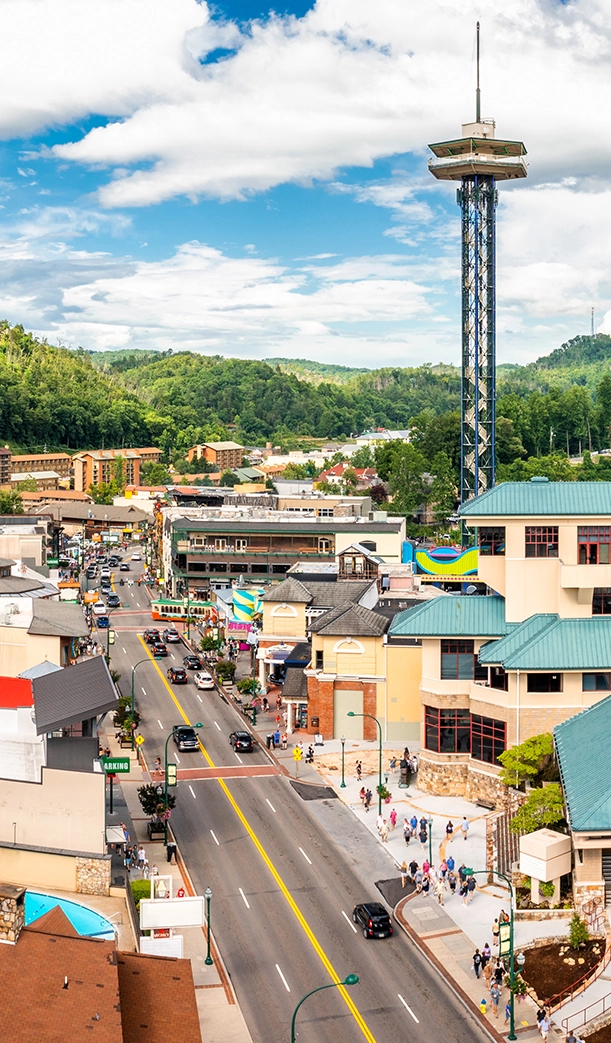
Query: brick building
{"x": 60, "y": 462}
{"x": 98, "y": 466}
{"x": 225, "y": 455}
{"x": 5, "y": 465}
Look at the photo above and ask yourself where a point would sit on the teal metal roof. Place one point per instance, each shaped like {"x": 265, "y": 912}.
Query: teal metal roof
{"x": 463, "y": 616}
{"x": 518, "y": 636}
{"x": 566, "y": 644}
{"x": 540, "y": 497}
{"x": 582, "y": 748}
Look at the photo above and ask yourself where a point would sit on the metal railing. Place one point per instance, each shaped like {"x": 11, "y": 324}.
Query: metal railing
{"x": 582, "y": 1017}
{"x": 568, "y": 994}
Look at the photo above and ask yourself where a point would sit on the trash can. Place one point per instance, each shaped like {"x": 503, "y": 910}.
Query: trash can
{"x": 171, "y": 851}
{"x": 270, "y": 741}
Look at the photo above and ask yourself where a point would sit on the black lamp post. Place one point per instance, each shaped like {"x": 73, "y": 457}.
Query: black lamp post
{"x": 351, "y": 713}
{"x": 350, "y": 979}
{"x": 343, "y": 742}
{"x": 174, "y": 729}
{"x": 208, "y": 895}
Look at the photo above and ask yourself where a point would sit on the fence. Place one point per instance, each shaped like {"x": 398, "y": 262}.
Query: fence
{"x": 502, "y": 846}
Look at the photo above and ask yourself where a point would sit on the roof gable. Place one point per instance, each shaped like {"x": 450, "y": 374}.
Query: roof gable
{"x": 57, "y": 619}
{"x": 290, "y": 590}
{"x": 350, "y": 620}
{"x": 76, "y": 693}
{"x": 465, "y": 615}
{"x": 517, "y": 638}
{"x": 587, "y": 792}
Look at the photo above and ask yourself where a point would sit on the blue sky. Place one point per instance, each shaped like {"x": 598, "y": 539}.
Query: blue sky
{"x": 249, "y": 182}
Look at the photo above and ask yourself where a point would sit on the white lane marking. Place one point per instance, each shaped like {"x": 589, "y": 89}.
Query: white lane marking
{"x": 199, "y": 697}
{"x": 408, "y": 1008}
{"x": 214, "y": 838}
{"x": 239, "y": 758}
{"x": 246, "y": 902}
{"x": 346, "y": 917}
{"x": 217, "y": 726}
{"x": 172, "y": 655}
{"x": 143, "y": 690}
{"x": 160, "y": 724}
{"x": 124, "y": 652}
{"x": 192, "y": 792}
{"x": 286, "y": 984}
{"x": 305, "y": 856}
{"x": 271, "y": 806}
{"x": 176, "y": 758}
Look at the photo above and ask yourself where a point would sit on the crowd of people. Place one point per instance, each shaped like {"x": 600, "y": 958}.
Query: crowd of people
{"x": 442, "y": 880}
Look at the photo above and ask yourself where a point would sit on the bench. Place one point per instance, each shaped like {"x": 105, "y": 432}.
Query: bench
{"x": 481, "y": 803}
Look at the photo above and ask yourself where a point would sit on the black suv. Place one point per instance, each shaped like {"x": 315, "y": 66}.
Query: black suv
{"x": 192, "y": 662}
{"x": 159, "y": 648}
{"x": 241, "y": 741}
{"x": 373, "y": 918}
{"x": 186, "y": 739}
{"x": 150, "y": 636}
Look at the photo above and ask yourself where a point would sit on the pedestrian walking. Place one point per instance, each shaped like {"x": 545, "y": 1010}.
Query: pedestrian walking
{"x": 477, "y": 963}
{"x": 487, "y": 973}
{"x": 407, "y": 832}
{"x": 379, "y": 821}
{"x": 284, "y": 741}
{"x": 464, "y": 892}
{"x": 418, "y": 880}
{"x": 541, "y": 1012}
{"x": 461, "y": 873}
{"x": 464, "y": 828}
{"x": 384, "y": 831}
{"x": 404, "y": 873}
{"x": 544, "y": 1027}
{"x": 471, "y": 886}
{"x": 426, "y": 883}
{"x": 157, "y": 766}
{"x": 443, "y": 869}
{"x": 413, "y": 868}
{"x": 503, "y": 916}
{"x": 433, "y": 874}
{"x": 362, "y": 793}
{"x": 414, "y": 824}
{"x": 423, "y": 838}
{"x": 495, "y": 995}
{"x": 127, "y": 861}
{"x": 440, "y": 890}
{"x": 141, "y": 857}
{"x": 368, "y": 799}
{"x": 393, "y": 818}
{"x": 449, "y": 830}
{"x": 359, "y": 771}
{"x": 452, "y": 883}
{"x": 495, "y": 934}
{"x": 507, "y": 1011}
{"x": 450, "y": 863}
{"x": 499, "y": 972}
{"x": 426, "y": 865}
{"x": 485, "y": 954}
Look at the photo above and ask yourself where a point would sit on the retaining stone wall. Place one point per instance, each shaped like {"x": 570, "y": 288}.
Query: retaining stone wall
{"x": 92, "y": 876}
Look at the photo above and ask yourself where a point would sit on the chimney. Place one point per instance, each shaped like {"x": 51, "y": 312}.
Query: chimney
{"x": 12, "y": 912}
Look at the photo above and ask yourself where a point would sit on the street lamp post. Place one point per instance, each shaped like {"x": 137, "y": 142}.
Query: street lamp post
{"x": 350, "y": 979}
{"x": 208, "y": 895}
{"x": 175, "y": 728}
{"x": 134, "y": 667}
{"x": 343, "y": 742}
{"x": 351, "y": 713}
{"x": 521, "y": 957}
{"x": 108, "y": 613}
{"x": 429, "y": 823}
{"x": 187, "y": 606}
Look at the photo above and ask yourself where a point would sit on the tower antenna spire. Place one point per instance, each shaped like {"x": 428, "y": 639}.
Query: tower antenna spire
{"x": 478, "y": 108}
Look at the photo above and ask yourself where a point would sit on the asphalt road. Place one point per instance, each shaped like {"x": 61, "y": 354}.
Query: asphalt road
{"x": 283, "y": 888}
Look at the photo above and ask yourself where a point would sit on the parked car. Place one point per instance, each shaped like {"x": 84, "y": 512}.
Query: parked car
{"x": 159, "y": 648}
{"x": 113, "y": 601}
{"x": 150, "y": 636}
{"x": 373, "y": 918}
{"x": 99, "y": 608}
{"x": 241, "y": 741}
{"x": 192, "y": 662}
{"x": 124, "y": 567}
{"x": 203, "y": 680}
{"x": 186, "y": 739}
{"x": 171, "y": 635}
{"x": 137, "y": 556}
{"x": 177, "y": 675}
{"x": 103, "y": 622}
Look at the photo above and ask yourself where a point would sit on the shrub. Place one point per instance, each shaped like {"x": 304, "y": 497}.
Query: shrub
{"x": 122, "y": 717}
{"x": 208, "y": 644}
{"x": 547, "y": 890}
{"x": 248, "y": 686}
{"x": 383, "y": 792}
{"x": 578, "y": 932}
{"x": 225, "y": 669}
{"x": 154, "y": 804}
{"x": 140, "y": 889}
{"x": 544, "y": 807}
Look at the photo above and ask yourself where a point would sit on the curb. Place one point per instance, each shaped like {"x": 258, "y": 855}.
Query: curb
{"x": 460, "y": 994}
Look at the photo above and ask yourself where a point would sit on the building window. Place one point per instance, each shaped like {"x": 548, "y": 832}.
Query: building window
{"x": 241, "y": 544}
{"x": 319, "y": 665}
{"x": 459, "y": 662}
{"x": 601, "y": 601}
{"x": 324, "y": 546}
{"x": 541, "y": 541}
{"x": 447, "y": 731}
{"x": 492, "y": 541}
{"x": 217, "y": 566}
{"x": 237, "y": 566}
{"x": 596, "y": 682}
{"x": 324, "y": 512}
{"x": 220, "y": 544}
{"x": 593, "y": 544}
{"x": 280, "y": 568}
{"x": 199, "y": 541}
{"x": 258, "y": 568}
{"x": 544, "y": 682}
{"x": 498, "y": 678}
{"x": 369, "y": 545}
{"x": 488, "y": 738}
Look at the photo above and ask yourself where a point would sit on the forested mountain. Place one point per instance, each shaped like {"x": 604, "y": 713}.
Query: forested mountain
{"x": 75, "y": 399}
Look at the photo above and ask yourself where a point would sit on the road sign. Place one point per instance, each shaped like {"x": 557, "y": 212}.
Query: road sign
{"x": 116, "y": 765}
{"x": 140, "y": 739}
{"x": 504, "y": 939}
{"x": 297, "y": 754}
{"x": 111, "y": 637}
{"x": 171, "y": 776}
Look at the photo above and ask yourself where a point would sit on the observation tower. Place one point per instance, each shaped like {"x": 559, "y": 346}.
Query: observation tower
{"x": 478, "y": 160}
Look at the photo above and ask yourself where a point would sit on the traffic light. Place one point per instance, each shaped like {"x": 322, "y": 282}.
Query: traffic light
{"x": 171, "y": 775}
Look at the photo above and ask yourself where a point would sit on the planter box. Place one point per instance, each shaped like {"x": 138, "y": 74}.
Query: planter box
{"x": 543, "y": 914}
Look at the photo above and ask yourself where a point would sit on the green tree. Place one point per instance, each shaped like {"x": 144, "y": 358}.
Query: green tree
{"x": 406, "y": 481}
{"x": 102, "y": 493}
{"x": 588, "y": 472}
{"x": 154, "y": 805}
{"x": 442, "y": 492}
{"x": 10, "y": 503}
{"x": 119, "y": 475}
{"x": 28, "y": 485}
{"x": 228, "y": 478}
{"x": 350, "y": 481}
{"x": 508, "y": 443}
{"x": 363, "y": 457}
{"x": 544, "y": 807}
{"x": 556, "y": 467}
{"x": 602, "y": 416}
{"x": 530, "y": 761}
{"x": 155, "y": 474}
{"x": 578, "y": 932}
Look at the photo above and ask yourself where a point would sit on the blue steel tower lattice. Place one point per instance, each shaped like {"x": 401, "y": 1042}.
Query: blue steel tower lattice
{"x": 478, "y": 160}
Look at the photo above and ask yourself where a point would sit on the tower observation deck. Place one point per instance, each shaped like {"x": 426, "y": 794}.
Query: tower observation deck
{"x": 478, "y": 160}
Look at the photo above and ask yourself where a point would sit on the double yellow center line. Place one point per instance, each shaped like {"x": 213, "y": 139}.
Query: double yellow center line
{"x": 309, "y": 933}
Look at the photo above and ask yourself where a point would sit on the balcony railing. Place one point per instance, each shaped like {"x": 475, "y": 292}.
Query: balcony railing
{"x": 289, "y": 552}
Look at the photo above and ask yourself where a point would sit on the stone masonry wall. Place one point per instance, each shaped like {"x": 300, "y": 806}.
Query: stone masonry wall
{"x": 442, "y": 779}
{"x": 93, "y": 875}
{"x": 12, "y": 918}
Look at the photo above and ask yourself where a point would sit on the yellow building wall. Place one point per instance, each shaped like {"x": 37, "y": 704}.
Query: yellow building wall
{"x": 283, "y": 620}
{"x": 402, "y": 702}
{"x": 65, "y": 810}
{"x": 38, "y": 869}
{"x": 20, "y": 650}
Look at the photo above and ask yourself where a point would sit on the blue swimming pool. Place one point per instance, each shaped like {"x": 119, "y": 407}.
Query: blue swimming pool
{"x": 86, "y": 921}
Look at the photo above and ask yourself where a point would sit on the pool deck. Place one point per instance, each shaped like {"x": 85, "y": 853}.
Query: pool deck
{"x": 112, "y": 908}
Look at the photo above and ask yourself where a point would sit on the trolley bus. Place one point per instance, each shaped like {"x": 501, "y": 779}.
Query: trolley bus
{"x": 166, "y": 609}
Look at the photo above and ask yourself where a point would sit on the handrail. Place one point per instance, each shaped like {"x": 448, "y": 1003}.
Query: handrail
{"x": 582, "y": 983}
{"x": 570, "y": 1023}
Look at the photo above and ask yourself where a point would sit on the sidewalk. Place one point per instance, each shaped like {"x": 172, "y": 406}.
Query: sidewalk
{"x": 221, "y": 1019}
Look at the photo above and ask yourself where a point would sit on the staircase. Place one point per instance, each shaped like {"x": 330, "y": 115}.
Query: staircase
{"x": 606, "y": 860}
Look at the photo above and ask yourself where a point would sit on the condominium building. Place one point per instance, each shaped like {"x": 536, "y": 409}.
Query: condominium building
{"x": 96, "y": 467}
{"x": 5, "y": 465}
{"x": 59, "y": 462}
{"x": 226, "y": 455}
